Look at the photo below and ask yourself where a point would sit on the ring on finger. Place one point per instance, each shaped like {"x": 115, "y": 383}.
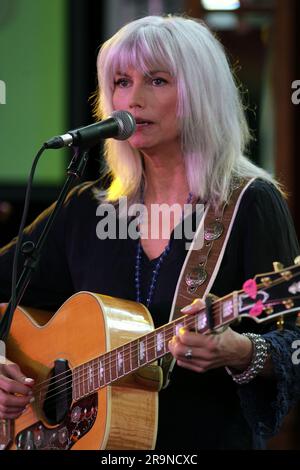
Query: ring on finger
{"x": 189, "y": 354}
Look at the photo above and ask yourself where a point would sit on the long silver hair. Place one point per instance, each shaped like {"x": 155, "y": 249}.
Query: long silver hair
{"x": 214, "y": 131}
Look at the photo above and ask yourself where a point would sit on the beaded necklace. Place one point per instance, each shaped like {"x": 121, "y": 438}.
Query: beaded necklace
{"x": 155, "y": 271}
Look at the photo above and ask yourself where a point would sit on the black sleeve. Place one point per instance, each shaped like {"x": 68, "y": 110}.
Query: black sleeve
{"x": 265, "y": 233}
{"x": 268, "y": 230}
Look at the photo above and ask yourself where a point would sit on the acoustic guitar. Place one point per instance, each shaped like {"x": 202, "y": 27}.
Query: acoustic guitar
{"x": 94, "y": 363}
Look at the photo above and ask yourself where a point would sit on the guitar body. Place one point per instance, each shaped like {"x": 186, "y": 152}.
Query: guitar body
{"x": 122, "y": 415}
{"x": 95, "y": 382}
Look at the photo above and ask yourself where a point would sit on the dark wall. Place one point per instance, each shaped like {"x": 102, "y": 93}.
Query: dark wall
{"x": 85, "y": 25}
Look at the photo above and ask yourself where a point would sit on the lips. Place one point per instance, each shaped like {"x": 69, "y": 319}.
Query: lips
{"x": 143, "y": 122}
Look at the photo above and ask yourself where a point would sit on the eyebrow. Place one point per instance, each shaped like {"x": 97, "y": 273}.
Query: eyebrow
{"x": 151, "y": 72}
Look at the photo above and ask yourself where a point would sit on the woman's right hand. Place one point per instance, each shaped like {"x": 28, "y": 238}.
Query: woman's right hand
{"x": 15, "y": 390}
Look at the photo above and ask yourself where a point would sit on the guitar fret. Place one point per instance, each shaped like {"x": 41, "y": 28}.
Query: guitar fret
{"x": 90, "y": 381}
{"x": 113, "y": 365}
{"x": 96, "y": 375}
{"x": 195, "y": 321}
{"x": 178, "y": 326}
{"x": 126, "y": 358}
{"x": 201, "y": 321}
{"x": 101, "y": 372}
{"x": 229, "y": 308}
{"x": 108, "y": 363}
{"x": 135, "y": 355}
{"x": 84, "y": 380}
{"x": 160, "y": 343}
{"x": 142, "y": 353}
{"x": 75, "y": 385}
{"x": 187, "y": 322}
{"x": 81, "y": 380}
{"x": 105, "y": 369}
{"x": 220, "y": 316}
{"x": 120, "y": 362}
{"x": 130, "y": 358}
{"x": 165, "y": 340}
{"x": 151, "y": 347}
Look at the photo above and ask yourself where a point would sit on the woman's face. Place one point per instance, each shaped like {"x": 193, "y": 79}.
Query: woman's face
{"x": 152, "y": 100}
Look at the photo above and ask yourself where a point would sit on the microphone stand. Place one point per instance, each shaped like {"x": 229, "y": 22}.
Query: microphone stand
{"x": 32, "y": 251}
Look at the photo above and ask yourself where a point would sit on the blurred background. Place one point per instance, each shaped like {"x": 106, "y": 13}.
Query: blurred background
{"x": 47, "y": 75}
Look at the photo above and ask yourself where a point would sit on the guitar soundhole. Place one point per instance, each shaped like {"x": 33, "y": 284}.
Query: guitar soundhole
{"x": 58, "y": 398}
{"x": 78, "y": 422}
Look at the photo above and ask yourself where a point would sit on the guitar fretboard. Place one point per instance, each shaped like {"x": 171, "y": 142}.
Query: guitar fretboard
{"x": 113, "y": 365}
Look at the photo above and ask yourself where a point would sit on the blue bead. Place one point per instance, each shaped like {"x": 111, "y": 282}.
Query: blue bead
{"x": 155, "y": 271}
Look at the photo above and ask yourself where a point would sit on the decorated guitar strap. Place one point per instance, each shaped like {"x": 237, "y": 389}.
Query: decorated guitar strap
{"x": 203, "y": 260}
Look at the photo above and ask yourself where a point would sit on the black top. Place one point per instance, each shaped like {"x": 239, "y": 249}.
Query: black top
{"x": 197, "y": 411}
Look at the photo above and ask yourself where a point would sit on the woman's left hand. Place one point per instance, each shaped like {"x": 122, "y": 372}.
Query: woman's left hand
{"x": 200, "y": 352}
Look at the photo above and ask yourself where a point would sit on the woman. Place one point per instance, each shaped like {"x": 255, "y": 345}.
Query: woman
{"x": 172, "y": 75}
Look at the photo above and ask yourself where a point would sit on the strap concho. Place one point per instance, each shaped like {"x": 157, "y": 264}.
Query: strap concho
{"x": 195, "y": 278}
{"x": 213, "y": 231}
{"x": 201, "y": 266}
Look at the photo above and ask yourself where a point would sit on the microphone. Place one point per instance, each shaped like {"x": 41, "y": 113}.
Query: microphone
{"x": 119, "y": 125}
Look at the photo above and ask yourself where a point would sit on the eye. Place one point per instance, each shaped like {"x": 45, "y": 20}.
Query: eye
{"x": 159, "y": 81}
{"x": 121, "y": 82}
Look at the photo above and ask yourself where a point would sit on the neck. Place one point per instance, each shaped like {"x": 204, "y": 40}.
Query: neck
{"x": 166, "y": 180}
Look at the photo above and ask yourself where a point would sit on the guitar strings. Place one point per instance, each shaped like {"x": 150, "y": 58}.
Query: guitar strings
{"x": 151, "y": 341}
{"x": 108, "y": 364}
{"x": 25, "y": 419}
{"x": 85, "y": 375}
{"x": 188, "y": 320}
{"x": 81, "y": 378}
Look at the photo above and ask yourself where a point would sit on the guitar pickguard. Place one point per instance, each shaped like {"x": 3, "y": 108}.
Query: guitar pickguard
{"x": 79, "y": 420}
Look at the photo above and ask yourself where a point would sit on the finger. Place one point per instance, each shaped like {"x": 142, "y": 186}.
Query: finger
{"x": 7, "y": 400}
{"x": 6, "y": 415}
{"x": 195, "y": 306}
{"x": 14, "y": 372}
{"x": 188, "y": 365}
{"x": 179, "y": 351}
{"x": 14, "y": 409}
{"x": 190, "y": 338}
{"x": 12, "y": 386}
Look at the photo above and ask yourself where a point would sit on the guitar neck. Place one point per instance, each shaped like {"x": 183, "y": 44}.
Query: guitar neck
{"x": 113, "y": 365}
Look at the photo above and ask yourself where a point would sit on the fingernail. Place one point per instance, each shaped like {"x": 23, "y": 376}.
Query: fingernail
{"x": 31, "y": 400}
{"x": 188, "y": 308}
{"x": 28, "y": 380}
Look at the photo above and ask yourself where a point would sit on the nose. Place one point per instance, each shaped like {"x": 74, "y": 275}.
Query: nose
{"x": 137, "y": 97}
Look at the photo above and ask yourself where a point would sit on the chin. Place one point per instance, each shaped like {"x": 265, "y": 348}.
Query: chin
{"x": 139, "y": 144}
